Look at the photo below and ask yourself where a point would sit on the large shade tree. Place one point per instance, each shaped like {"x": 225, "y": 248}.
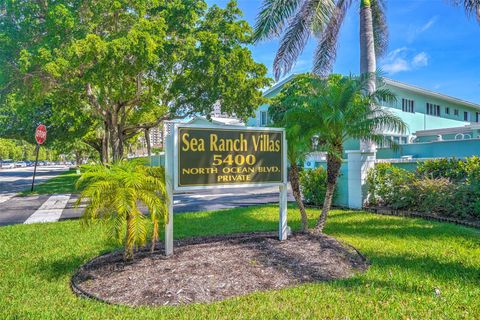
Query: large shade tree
{"x": 337, "y": 109}
{"x": 295, "y": 21}
{"x": 129, "y": 65}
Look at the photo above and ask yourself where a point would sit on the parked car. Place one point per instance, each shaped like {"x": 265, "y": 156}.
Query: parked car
{"x": 20, "y": 164}
{"x": 7, "y": 164}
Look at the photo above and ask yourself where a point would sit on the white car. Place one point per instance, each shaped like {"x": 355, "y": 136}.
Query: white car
{"x": 20, "y": 164}
{"x": 7, "y": 164}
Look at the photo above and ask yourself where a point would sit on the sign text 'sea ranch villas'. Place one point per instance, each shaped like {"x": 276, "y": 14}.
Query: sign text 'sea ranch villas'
{"x": 229, "y": 156}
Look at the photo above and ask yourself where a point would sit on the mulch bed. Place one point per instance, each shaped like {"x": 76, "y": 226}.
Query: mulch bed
{"x": 216, "y": 268}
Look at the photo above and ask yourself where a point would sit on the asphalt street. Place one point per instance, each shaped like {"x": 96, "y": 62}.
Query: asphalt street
{"x": 49, "y": 208}
{"x": 20, "y": 179}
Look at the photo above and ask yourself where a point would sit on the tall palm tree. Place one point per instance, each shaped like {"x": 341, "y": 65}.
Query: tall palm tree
{"x": 336, "y": 109}
{"x": 296, "y": 20}
{"x": 115, "y": 192}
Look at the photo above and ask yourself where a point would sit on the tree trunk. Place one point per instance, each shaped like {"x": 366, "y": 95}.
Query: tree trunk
{"x": 368, "y": 63}
{"x": 116, "y": 136}
{"x": 147, "y": 140}
{"x": 294, "y": 182}
{"x": 78, "y": 157}
{"x": 154, "y": 235}
{"x": 128, "y": 253}
{"x": 334, "y": 162}
{"x": 368, "y": 60}
{"x": 105, "y": 156}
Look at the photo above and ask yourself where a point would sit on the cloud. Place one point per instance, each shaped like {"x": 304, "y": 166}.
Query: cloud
{"x": 414, "y": 32}
{"x": 420, "y": 60}
{"x": 428, "y": 25}
{"x": 400, "y": 60}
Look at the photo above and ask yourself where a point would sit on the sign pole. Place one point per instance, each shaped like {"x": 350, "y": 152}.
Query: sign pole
{"x": 169, "y": 145}
{"x": 283, "y": 230}
{"x": 40, "y": 137}
{"x": 35, "y": 167}
{"x": 282, "y": 222}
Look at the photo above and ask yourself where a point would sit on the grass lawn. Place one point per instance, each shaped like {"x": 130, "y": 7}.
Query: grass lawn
{"x": 62, "y": 183}
{"x": 410, "y": 258}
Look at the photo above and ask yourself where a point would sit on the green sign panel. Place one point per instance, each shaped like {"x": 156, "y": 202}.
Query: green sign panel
{"x": 217, "y": 156}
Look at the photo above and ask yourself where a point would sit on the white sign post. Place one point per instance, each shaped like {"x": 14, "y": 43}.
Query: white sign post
{"x": 200, "y": 157}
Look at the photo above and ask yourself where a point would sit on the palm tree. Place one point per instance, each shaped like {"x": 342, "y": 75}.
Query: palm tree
{"x": 298, "y": 146}
{"x": 296, "y": 20}
{"x": 336, "y": 109}
{"x": 114, "y": 192}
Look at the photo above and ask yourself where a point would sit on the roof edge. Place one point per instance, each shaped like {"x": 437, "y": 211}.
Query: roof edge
{"x": 431, "y": 93}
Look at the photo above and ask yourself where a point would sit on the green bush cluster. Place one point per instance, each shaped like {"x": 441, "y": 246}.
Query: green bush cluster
{"x": 313, "y": 183}
{"x": 449, "y": 187}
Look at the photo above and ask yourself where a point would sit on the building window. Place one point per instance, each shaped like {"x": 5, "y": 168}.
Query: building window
{"x": 408, "y": 105}
{"x": 263, "y": 118}
{"x": 455, "y": 112}
{"x": 466, "y": 116}
{"x": 447, "y": 110}
{"x": 477, "y": 116}
{"x": 433, "y": 109}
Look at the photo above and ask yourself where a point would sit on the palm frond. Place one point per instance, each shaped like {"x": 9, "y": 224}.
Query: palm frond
{"x": 472, "y": 7}
{"x": 113, "y": 192}
{"x": 326, "y": 51}
{"x": 272, "y": 18}
{"x": 296, "y": 36}
{"x": 380, "y": 27}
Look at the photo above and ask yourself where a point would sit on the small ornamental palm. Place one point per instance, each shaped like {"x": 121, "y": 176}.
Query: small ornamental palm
{"x": 298, "y": 147}
{"x": 337, "y": 109}
{"x": 115, "y": 192}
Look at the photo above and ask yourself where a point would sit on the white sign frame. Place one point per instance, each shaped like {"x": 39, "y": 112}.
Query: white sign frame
{"x": 171, "y": 176}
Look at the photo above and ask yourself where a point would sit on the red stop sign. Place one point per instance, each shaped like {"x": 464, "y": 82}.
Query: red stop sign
{"x": 41, "y": 134}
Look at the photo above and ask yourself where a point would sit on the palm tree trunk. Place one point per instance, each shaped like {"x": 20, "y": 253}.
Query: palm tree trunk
{"x": 154, "y": 235}
{"x": 334, "y": 162}
{"x": 128, "y": 253}
{"x": 294, "y": 182}
{"x": 368, "y": 62}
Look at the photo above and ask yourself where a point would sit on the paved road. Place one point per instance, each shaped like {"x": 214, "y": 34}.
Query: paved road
{"x": 19, "y": 179}
{"x": 51, "y": 208}
{"x": 15, "y": 180}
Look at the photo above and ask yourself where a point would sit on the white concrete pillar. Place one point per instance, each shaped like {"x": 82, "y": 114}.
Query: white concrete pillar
{"x": 359, "y": 162}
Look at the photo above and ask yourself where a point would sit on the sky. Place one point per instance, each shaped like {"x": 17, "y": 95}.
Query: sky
{"x": 432, "y": 45}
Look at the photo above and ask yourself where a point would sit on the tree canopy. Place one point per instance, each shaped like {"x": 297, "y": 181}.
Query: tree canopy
{"x": 123, "y": 66}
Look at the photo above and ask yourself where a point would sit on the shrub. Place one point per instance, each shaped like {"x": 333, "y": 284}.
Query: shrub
{"x": 390, "y": 186}
{"x": 452, "y": 169}
{"x": 313, "y": 183}
{"x": 434, "y": 195}
{"x": 449, "y": 187}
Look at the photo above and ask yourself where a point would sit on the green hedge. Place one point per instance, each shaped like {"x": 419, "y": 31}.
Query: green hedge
{"x": 448, "y": 187}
